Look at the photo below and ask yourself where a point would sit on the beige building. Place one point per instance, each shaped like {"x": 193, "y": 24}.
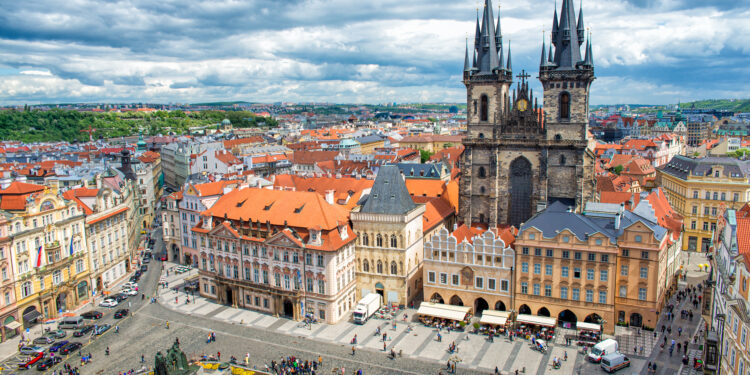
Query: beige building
{"x": 389, "y": 240}
{"x": 470, "y": 267}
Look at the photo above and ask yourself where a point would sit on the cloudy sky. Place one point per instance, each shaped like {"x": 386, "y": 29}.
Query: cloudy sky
{"x": 351, "y": 51}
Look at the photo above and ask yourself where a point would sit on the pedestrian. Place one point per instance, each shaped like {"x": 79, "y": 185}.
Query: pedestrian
{"x": 107, "y": 351}
{"x": 143, "y": 359}
{"x": 353, "y": 350}
{"x": 384, "y": 345}
{"x": 117, "y": 329}
{"x": 218, "y": 355}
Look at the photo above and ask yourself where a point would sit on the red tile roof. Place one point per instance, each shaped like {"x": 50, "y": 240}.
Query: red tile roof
{"x": 17, "y": 187}
{"x": 75, "y": 194}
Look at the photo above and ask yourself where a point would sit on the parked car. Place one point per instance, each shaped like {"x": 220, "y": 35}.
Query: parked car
{"x": 147, "y": 260}
{"x": 109, "y": 302}
{"x": 144, "y": 268}
{"x": 83, "y": 331}
{"x": 31, "y": 360}
{"x": 71, "y": 347}
{"x": 56, "y": 346}
{"x": 57, "y": 334}
{"x": 121, "y": 313}
{"x": 614, "y": 361}
{"x": 46, "y": 364}
{"x": 138, "y": 273}
{"x": 31, "y": 350}
{"x": 102, "y": 328}
{"x": 93, "y": 314}
{"x": 129, "y": 292}
{"x": 121, "y": 297}
{"x": 130, "y": 285}
{"x": 44, "y": 340}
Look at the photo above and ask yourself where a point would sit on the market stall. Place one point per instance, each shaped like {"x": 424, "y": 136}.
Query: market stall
{"x": 541, "y": 327}
{"x": 588, "y": 333}
{"x": 438, "y": 314}
{"x": 493, "y": 321}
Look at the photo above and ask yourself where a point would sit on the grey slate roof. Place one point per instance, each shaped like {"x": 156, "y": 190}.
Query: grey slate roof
{"x": 567, "y": 37}
{"x": 416, "y": 170}
{"x": 681, "y": 166}
{"x": 368, "y": 139}
{"x": 388, "y": 194}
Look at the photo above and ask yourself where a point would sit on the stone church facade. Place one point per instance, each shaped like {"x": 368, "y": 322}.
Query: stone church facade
{"x": 520, "y": 156}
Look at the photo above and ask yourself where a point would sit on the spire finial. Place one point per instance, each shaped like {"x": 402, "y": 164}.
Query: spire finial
{"x": 508, "y": 66}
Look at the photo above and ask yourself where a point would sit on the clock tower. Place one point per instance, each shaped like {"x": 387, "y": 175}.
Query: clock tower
{"x": 520, "y": 156}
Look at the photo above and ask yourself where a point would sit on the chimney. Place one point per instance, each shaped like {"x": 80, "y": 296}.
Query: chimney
{"x": 329, "y": 196}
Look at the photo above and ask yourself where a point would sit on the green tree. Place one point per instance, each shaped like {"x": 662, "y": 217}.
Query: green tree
{"x": 617, "y": 170}
{"x": 425, "y": 155}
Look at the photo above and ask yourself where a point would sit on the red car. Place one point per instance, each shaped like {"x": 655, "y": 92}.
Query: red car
{"x": 31, "y": 361}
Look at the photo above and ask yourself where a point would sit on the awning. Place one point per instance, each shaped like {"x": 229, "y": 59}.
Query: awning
{"x": 494, "y": 317}
{"x": 31, "y": 315}
{"x": 13, "y": 325}
{"x": 588, "y": 326}
{"x": 438, "y": 310}
{"x": 536, "y": 320}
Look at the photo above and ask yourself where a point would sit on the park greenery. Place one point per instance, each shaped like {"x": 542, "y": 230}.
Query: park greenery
{"x": 69, "y": 125}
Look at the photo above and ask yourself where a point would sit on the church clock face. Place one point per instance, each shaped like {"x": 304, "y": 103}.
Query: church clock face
{"x": 522, "y": 104}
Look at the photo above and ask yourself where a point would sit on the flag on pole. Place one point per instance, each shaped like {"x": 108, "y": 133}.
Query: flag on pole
{"x": 71, "y": 246}
{"x": 39, "y": 257}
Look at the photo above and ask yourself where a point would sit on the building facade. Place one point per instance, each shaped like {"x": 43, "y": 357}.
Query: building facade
{"x": 471, "y": 266}
{"x": 279, "y": 252}
{"x": 518, "y": 157}
{"x": 698, "y": 187}
{"x": 11, "y": 321}
{"x": 171, "y": 229}
{"x": 389, "y": 240}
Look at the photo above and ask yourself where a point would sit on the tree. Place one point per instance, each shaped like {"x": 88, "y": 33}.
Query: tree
{"x": 425, "y": 155}
{"x": 617, "y": 170}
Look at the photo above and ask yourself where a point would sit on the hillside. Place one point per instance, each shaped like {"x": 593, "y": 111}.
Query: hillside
{"x": 734, "y": 105}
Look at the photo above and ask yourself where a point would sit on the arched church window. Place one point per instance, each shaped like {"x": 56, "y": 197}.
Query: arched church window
{"x": 483, "y": 108}
{"x": 394, "y": 270}
{"x": 562, "y": 159}
{"x": 393, "y": 241}
{"x": 481, "y": 189}
{"x": 475, "y": 105}
{"x": 366, "y": 266}
{"x": 565, "y": 105}
{"x": 365, "y": 240}
{"x": 482, "y": 172}
{"x": 379, "y": 241}
{"x": 380, "y": 267}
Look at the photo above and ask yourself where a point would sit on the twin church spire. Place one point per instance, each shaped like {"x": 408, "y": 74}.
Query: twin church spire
{"x": 487, "y": 54}
{"x": 567, "y": 37}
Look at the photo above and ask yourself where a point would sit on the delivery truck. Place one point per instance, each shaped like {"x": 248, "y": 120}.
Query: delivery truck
{"x": 366, "y": 307}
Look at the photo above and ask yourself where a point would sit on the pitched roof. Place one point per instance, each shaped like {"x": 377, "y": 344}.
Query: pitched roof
{"x": 295, "y": 208}
{"x": 76, "y": 194}
{"x": 312, "y": 157}
{"x": 681, "y": 166}
{"x": 346, "y": 190}
{"x": 436, "y": 211}
{"x": 389, "y": 194}
{"x": 431, "y": 138}
{"x": 229, "y": 144}
{"x": 17, "y": 187}
{"x": 425, "y": 187}
{"x": 213, "y": 188}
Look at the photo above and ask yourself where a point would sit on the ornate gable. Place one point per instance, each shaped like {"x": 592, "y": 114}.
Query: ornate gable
{"x": 285, "y": 239}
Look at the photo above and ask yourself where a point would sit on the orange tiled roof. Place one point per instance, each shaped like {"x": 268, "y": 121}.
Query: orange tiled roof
{"x": 13, "y": 202}
{"x": 436, "y": 211}
{"x": 341, "y": 187}
{"x": 311, "y": 157}
{"x": 227, "y": 158}
{"x": 229, "y": 144}
{"x": 213, "y": 188}
{"x": 75, "y": 194}
{"x": 113, "y": 213}
{"x": 426, "y": 188}
{"x": 17, "y": 187}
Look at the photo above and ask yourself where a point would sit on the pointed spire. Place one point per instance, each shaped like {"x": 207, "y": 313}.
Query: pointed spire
{"x": 550, "y": 56}
{"x": 543, "y": 61}
{"x": 467, "y": 67}
{"x": 581, "y": 30}
{"x": 555, "y": 25}
{"x": 508, "y": 66}
{"x": 477, "y": 34}
{"x": 589, "y": 60}
{"x": 474, "y": 66}
{"x": 498, "y": 32}
{"x": 567, "y": 47}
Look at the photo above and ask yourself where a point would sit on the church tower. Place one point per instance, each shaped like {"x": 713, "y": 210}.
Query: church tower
{"x": 518, "y": 156}
{"x": 566, "y": 77}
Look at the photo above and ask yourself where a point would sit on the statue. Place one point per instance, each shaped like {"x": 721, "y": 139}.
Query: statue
{"x": 160, "y": 365}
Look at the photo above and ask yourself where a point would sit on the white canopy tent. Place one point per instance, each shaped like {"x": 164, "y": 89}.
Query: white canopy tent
{"x": 494, "y": 317}
{"x": 536, "y": 320}
{"x": 439, "y": 310}
{"x": 589, "y": 326}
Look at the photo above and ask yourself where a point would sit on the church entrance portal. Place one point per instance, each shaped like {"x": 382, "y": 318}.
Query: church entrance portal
{"x": 288, "y": 309}
{"x": 520, "y": 191}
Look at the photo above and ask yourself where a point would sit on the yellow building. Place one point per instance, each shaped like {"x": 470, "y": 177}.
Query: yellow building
{"x": 50, "y": 261}
{"x": 431, "y": 143}
{"x": 696, "y": 188}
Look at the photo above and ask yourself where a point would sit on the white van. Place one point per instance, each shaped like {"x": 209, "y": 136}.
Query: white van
{"x": 72, "y": 322}
{"x": 615, "y": 361}
{"x": 601, "y": 349}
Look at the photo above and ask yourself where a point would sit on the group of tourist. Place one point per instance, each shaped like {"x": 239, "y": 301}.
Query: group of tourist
{"x": 293, "y": 365}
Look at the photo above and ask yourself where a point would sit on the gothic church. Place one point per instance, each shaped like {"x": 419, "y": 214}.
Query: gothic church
{"x": 519, "y": 156}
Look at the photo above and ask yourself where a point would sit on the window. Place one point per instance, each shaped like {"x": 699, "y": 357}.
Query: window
{"x": 57, "y": 277}
{"x": 623, "y": 291}
{"x": 365, "y": 240}
{"x": 713, "y": 211}
{"x": 548, "y": 290}
{"x": 695, "y": 210}
{"x": 565, "y": 106}
{"x": 693, "y": 225}
{"x": 605, "y": 258}
{"x": 479, "y": 282}
{"x": 537, "y": 289}
{"x": 525, "y": 267}
{"x": 708, "y": 195}
{"x": 695, "y": 194}
{"x": 379, "y": 268}
{"x": 26, "y": 289}
{"x": 379, "y": 240}
{"x": 642, "y": 294}
{"x": 443, "y": 278}
{"x": 321, "y": 261}
{"x": 603, "y": 275}
{"x": 644, "y": 272}
{"x": 705, "y": 225}
{"x": 525, "y": 251}
{"x": 564, "y": 271}
{"x": 575, "y": 294}
{"x": 625, "y": 252}
{"x": 577, "y": 255}
{"x": 483, "y": 108}
{"x": 537, "y": 268}
{"x": 265, "y": 277}
{"x": 491, "y": 284}
{"x": 590, "y": 274}
{"x": 504, "y": 285}
{"x": 482, "y": 173}
{"x": 716, "y": 196}
{"x": 524, "y": 287}
{"x": 566, "y": 254}
{"x": 548, "y": 270}
{"x": 431, "y": 276}
{"x": 550, "y": 253}
{"x": 538, "y": 252}
{"x": 705, "y": 211}
{"x": 598, "y": 242}
{"x": 321, "y": 287}
{"x": 256, "y": 276}
{"x": 455, "y": 279}
{"x": 592, "y": 257}
{"x": 602, "y": 296}
{"x": 736, "y": 197}
{"x": 394, "y": 268}
{"x": 564, "y": 292}
{"x": 589, "y": 295}
{"x": 644, "y": 254}
{"x": 366, "y": 266}
{"x": 723, "y": 196}
{"x": 576, "y": 273}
